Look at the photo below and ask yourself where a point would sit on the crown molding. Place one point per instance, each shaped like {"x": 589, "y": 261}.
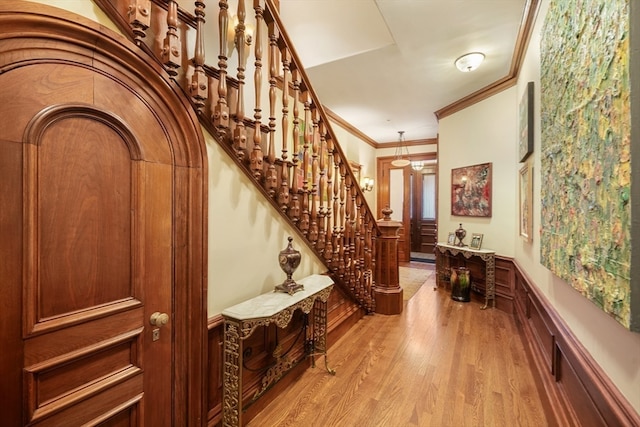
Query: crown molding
{"x": 522, "y": 41}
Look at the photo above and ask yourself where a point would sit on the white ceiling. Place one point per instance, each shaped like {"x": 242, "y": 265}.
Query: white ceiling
{"x": 388, "y": 65}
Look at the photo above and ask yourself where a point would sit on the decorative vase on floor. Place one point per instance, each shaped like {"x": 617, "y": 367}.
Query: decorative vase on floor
{"x": 460, "y": 284}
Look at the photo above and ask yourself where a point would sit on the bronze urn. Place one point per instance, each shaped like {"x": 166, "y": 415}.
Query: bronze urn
{"x": 460, "y": 234}
{"x": 289, "y": 260}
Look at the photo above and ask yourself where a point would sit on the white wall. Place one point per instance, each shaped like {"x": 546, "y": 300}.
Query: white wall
{"x": 245, "y": 236}
{"x": 615, "y": 349}
{"x": 359, "y": 152}
{"x": 484, "y": 132}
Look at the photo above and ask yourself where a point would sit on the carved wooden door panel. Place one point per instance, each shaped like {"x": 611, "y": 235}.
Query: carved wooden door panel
{"x": 96, "y": 248}
{"x": 89, "y": 226}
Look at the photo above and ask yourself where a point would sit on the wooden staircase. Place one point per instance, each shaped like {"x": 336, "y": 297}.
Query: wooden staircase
{"x": 257, "y": 102}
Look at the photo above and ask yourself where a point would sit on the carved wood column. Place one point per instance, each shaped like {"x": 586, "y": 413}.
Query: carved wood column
{"x": 387, "y": 291}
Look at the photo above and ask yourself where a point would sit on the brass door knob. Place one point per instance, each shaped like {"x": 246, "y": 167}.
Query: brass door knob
{"x": 159, "y": 319}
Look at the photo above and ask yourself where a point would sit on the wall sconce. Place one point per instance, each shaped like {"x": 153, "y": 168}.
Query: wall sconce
{"x": 366, "y": 184}
{"x": 469, "y": 62}
{"x": 232, "y": 36}
{"x": 417, "y": 165}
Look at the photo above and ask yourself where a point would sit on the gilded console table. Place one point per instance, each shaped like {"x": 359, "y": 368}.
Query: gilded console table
{"x": 487, "y": 255}
{"x": 274, "y": 307}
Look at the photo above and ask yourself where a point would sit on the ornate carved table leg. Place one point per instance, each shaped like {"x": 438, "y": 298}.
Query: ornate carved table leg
{"x": 490, "y": 293}
{"x": 231, "y": 399}
{"x": 320, "y": 334}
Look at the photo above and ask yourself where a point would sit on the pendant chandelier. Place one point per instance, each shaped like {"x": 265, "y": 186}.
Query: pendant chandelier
{"x": 417, "y": 165}
{"x": 401, "y": 158}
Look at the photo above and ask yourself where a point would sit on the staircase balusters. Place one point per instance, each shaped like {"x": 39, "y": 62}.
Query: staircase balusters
{"x": 315, "y": 176}
{"x": 321, "y": 190}
{"x": 220, "y": 116}
{"x": 306, "y": 136}
{"x": 310, "y": 179}
{"x": 199, "y": 82}
{"x": 139, "y": 14}
{"x": 294, "y": 205}
{"x": 239, "y": 132}
{"x": 328, "y": 193}
{"x": 342, "y": 239}
{"x": 271, "y": 180}
{"x": 336, "y": 204}
{"x": 256, "y": 157}
{"x": 171, "y": 52}
{"x": 283, "y": 194}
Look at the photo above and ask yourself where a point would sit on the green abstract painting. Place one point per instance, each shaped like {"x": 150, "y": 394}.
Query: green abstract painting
{"x": 585, "y": 150}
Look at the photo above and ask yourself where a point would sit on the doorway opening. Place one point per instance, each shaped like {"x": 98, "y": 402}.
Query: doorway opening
{"x": 423, "y": 213}
{"x": 412, "y": 195}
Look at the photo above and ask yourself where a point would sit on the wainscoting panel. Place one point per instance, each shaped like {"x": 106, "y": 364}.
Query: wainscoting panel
{"x": 579, "y": 391}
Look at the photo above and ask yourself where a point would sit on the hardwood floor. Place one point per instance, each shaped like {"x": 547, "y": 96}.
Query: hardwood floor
{"x": 440, "y": 363}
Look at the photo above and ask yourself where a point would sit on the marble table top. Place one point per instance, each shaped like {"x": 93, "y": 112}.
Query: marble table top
{"x": 267, "y": 305}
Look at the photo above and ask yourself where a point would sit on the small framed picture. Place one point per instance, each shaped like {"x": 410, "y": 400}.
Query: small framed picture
{"x": 525, "y": 118}
{"x": 526, "y": 202}
{"x": 451, "y": 239}
{"x": 476, "y": 241}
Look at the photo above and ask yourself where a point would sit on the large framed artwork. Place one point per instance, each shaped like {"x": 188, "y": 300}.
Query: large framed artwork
{"x": 525, "y": 122}
{"x": 585, "y": 153}
{"x": 471, "y": 190}
{"x": 526, "y": 201}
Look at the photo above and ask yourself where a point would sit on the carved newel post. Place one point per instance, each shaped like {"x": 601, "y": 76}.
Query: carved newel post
{"x": 387, "y": 291}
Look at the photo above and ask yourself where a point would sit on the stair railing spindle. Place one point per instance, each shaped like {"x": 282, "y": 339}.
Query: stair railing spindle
{"x": 315, "y": 176}
{"x": 220, "y": 116}
{"x": 294, "y": 205}
{"x": 199, "y": 81}
{"x": 328, "y": 144}
{"x": 139, "y": 13}
{"x": 271, "y": 180}
{"x": 306, "y": 136}
{"x": 256, "y": 157}
{"x": 283, "y": 194}
{"x": 171, "y": 52}
{"x": 241, "y": 42}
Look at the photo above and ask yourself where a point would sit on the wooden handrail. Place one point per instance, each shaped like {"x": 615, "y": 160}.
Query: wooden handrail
{"x": 309, "y": 180}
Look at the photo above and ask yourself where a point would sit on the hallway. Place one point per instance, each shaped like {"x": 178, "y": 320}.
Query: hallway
{"x": 440, "y": 363}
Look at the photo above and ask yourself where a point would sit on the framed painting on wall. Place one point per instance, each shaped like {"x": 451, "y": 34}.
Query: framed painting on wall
{"x": 471, "y": 190}
{"x": 525, "y": 120}
{"x": 526, "y": 201}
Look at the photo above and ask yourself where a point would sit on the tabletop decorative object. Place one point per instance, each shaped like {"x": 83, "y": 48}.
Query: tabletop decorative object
{"x": 460, "y": 234}
{"x": 289, "y": 259}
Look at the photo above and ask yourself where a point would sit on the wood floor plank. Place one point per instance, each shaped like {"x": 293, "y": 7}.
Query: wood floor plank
{"x": 440, "y": 363}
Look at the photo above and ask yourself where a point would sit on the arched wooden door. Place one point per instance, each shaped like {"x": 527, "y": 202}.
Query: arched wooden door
{"x": 102, "y": 200}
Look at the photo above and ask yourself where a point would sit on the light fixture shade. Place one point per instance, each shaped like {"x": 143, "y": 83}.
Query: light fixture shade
{"x": 400, "y": 163}
{"x": 469, "y": 61}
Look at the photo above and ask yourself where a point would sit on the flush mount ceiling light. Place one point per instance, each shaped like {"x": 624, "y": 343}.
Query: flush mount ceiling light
{"x": 469, "y": 61}
{"x": 401, "y": 158}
